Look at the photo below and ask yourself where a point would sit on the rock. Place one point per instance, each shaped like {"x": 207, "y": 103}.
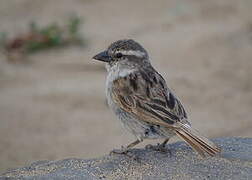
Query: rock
{"x": 235, "y": 162}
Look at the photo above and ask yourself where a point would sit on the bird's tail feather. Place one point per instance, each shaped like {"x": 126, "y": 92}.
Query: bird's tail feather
{"x": 198, "y": 142}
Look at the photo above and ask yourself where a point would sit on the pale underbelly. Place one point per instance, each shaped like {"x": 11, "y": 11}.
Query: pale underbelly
{"x": 141, "y": 129}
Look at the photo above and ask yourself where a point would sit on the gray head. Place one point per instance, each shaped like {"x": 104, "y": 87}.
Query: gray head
{"x": 123, "y": 50}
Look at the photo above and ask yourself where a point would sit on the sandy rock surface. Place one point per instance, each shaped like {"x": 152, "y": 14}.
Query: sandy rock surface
{"x": 234, "y": 163}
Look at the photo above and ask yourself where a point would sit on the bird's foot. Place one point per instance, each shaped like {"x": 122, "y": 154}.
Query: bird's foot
{"x": 159, "y": 147}
{"x": 126, "y": 152}
{"x": 123, "y": 150}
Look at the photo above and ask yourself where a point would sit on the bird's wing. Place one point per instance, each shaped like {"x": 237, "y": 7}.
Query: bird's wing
{"x": 145, "y": 94}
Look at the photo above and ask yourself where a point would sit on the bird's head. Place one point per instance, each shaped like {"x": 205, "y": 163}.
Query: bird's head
{"x": 125, "y": 51}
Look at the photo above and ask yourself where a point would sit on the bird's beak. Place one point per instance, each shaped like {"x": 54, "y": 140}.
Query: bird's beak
{"x": 103, "y": 56}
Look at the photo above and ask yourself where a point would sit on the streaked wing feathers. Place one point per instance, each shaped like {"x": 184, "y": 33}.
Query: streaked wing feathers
{"x": 145, "y": 94}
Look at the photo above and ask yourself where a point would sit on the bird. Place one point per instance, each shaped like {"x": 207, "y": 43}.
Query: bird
{"x": 140, "y": 98}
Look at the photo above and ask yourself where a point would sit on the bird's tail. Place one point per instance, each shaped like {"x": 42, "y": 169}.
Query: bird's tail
{"x": 198, "y": 142}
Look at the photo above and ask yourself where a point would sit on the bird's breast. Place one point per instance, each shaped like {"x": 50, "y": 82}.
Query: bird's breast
{"x": 115, "y": 73}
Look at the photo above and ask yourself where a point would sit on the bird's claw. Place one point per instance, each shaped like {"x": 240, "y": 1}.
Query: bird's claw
{"x": 159, "y": 147}
{"x": 119, "y": 151}
{"x": 125, "y": 151}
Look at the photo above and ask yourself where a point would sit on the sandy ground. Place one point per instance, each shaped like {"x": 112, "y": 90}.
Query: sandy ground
{"x": 53, "y": 105}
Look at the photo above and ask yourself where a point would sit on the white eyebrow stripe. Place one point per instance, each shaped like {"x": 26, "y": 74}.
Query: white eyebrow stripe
{"x": 134, "y": 53}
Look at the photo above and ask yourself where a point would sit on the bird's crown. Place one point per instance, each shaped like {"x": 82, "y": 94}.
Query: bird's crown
{"x": 126, "y": 49}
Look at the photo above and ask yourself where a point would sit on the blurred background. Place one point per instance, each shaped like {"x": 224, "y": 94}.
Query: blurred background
{"x": 52, "y": 102}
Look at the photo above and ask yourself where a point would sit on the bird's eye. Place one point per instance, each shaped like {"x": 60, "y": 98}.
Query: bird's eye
{"x": 119, "y": 55}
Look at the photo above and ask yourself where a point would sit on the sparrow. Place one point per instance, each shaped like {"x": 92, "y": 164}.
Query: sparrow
{"x": 142, "y": 101}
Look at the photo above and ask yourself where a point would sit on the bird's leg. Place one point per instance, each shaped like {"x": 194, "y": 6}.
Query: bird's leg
{"x": 134, "y": 143}
{"x": 124, "y": 150}
{"x": 165, "y": 142}
{"x": 159, "y": 147}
